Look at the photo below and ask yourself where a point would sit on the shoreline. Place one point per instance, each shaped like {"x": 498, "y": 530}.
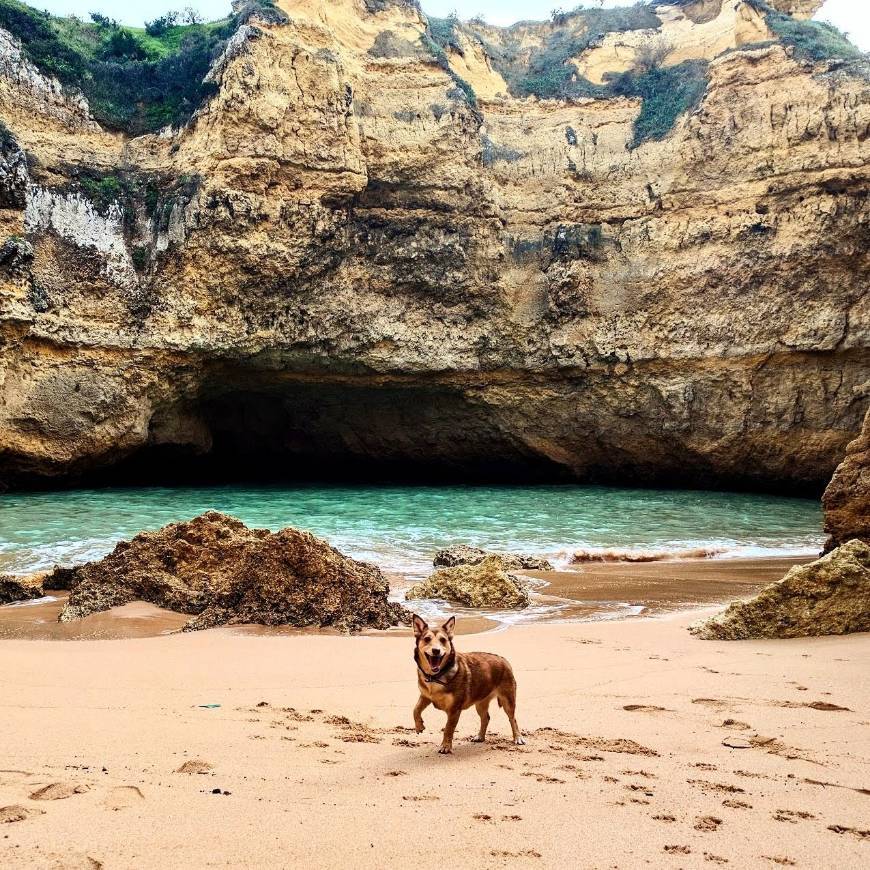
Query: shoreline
{"x": 590, "y": 592}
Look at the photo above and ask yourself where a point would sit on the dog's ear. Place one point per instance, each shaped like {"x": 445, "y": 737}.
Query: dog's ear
{"x": 419, "y": 625}
{"x": 449, "y": 626}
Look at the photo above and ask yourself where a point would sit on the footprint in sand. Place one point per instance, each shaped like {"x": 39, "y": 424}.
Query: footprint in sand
{"x": 525, "y": 853}
{"x": 716, "y": 859}
{"x": 678, "y": 850}
{"x": 661, "y": 818}
{"x": 736, "y": 805}
{"x": 707, "y": 823}
{"x": 58, "y": 791}
{"x": 782, "y": 861}
{"x": 123, "y": 797}
{"x": 17, "y": 813}
{"x": 792, "y": 816}
{"x": 195, "y": 765}
{"x": 646, "y": 708}
{"x": 855, "y": 832}
{"x": 420, "y": 797}
{"x": 706, "y": 785}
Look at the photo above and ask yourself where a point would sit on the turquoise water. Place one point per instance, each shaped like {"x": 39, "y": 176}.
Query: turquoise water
{"x": 401, "y": 527}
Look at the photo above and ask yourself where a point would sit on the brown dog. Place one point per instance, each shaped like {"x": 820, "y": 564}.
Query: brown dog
{"x": 453, "y": 681}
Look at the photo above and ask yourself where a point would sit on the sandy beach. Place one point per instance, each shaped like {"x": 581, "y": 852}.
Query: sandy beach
{"x": 309, "y": 757}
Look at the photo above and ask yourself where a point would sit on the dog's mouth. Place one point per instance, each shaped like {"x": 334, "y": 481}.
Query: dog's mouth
{"x": 435, "y": 660}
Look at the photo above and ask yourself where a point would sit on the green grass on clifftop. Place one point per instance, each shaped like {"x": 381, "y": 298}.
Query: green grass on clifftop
{"x": 134, "y": 81}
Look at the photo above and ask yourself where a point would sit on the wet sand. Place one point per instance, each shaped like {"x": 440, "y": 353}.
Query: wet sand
{"x": 645, "y": 747}
{"x": 665, "y": 585}
{"x": 587, "y": 592}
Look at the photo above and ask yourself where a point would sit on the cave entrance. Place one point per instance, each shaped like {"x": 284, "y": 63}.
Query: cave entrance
{"x": 343, "y": 431}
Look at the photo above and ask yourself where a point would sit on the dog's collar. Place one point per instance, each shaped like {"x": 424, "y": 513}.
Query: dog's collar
{"x": 449, "y": 662}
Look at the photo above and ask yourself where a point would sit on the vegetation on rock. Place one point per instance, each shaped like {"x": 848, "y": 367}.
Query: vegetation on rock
{"x": 811, "y": 40}
{"x": 666, "y": 92}
{"x": 135, "y": 80}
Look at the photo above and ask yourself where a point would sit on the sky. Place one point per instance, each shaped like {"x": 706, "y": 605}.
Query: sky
{"x": 852, "y": 16}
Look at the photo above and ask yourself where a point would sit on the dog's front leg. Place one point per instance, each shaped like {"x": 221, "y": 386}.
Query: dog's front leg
{"x": 422, "y": 704}
{"x": 449, "y": 728}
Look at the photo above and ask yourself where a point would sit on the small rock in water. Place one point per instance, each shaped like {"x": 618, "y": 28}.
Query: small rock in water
{"x": 462, "y": 554}
{"x": 486, "y": 584}
{"x": 24, "y": 588}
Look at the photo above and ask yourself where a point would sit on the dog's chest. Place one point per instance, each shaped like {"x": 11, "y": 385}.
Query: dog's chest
{"x": 437, "y": 694}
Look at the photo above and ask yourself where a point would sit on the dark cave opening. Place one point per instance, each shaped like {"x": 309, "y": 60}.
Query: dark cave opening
{"x": 342, "y": 432}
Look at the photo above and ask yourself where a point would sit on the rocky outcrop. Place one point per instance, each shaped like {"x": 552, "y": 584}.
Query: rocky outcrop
{"x": 343, "y": 261}
{"x": 15, "y": 588}
{"x": 828, "y": 596}
{"x": 221, "y": 572}
{"x": 846, "y": 501}
{"x": 462, "y": 554}
{"x": 484, "y": 584}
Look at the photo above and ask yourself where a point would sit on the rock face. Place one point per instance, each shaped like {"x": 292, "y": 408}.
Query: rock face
{"x": 14, "y": 588}
{"x": 846, "y": 501}
{"x": 828, "y": 596}
{"x": 342, "y": 261}
{"x": 461, "y": 554}
{"x": 484, "y": 584}
{"x": 220, "y": 571}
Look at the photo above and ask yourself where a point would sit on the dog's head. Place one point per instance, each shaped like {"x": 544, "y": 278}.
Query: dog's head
{"x": 434, "y": 643}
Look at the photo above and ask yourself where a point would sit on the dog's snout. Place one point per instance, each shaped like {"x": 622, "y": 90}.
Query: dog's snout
{"x": 435, "y": 653}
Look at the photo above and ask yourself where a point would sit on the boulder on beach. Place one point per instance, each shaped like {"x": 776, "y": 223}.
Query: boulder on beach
{"x": 24, "y": 588}
{"x": 462, "y": 554}
{"x": 828, "y": 596}
{"x": 846, "y": 501}
{"x": 221, "y": 572}
{"x": 485, "y": 584}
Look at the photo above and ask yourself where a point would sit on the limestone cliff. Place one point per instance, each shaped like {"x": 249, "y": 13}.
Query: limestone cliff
{"x": 846, "y": 501}
{"x": 368, "y": 247}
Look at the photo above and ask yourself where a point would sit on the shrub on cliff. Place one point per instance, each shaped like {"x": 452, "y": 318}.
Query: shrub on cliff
{"x": 135, "y": 80}
{"x": 811, "y": 40}
{"x": 666, "y": 91}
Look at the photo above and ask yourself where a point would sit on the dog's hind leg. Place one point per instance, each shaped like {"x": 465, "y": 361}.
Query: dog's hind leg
{"x": 508, "y": 701}
{"x": 482, "y": 711}
{"x": 422, "y": 704}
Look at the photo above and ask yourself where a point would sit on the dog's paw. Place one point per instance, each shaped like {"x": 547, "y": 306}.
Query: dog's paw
{"x": 478, "y": 739}
{"x": 519, "y": 741}
{"x": 445, "y": 750}
{"x": 419, "y": 728}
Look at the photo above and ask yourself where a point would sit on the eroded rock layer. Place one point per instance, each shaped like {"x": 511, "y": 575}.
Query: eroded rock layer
{"x": 341, "y": 262}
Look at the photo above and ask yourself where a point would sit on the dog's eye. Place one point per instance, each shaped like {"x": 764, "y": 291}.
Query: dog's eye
{"x": 427, "y": 638}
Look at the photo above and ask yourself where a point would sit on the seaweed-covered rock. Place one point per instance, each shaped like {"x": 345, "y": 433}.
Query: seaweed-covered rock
{"x": 462, "y": 554}
{"x": 828, "y": 596}
{"x": 846, "y": 501}
{"x": 485, "y": 584}
{"x": 24, "y": 588}
{"x": 220, "y": 571}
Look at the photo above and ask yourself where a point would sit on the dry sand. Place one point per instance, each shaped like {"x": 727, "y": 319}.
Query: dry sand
{"x": 308, "y": 760}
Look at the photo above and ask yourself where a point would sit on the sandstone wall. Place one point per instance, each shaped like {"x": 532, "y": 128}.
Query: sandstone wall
{"x": 339, "y": 259}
